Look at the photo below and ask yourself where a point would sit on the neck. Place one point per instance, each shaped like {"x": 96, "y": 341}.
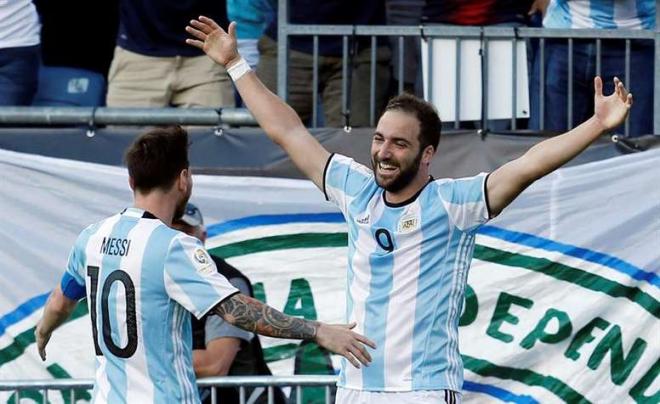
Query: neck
{"x": 409, "y": 190}
{"x": 160, "y": 204}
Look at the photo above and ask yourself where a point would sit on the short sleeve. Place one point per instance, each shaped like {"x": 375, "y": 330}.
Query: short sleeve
{"x": 191, "y": 277}
{"x": 343, "y": 179}
{"x": 466, "y": 201}
{"x": 73, "y": 281}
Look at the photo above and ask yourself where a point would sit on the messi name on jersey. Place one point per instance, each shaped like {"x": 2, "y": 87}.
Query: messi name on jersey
{"x": 115, "y": 246}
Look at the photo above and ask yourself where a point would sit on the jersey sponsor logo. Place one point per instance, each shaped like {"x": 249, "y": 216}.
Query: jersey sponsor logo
{"x": 115, "y": 246}
{"x": 408, "y": 224}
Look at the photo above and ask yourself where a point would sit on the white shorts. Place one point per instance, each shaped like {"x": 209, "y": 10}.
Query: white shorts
{"x": 350, "y": 396}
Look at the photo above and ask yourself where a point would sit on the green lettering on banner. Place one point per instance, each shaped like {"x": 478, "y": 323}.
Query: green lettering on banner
{"x": 583, "y": 337}
{"x": 638, "y": 390}
{"x": 501, "y": 315}
{"x": 300, "y": 302}
{"x": 259, "y": 292}
{"x": 539, "y": 332}
{"x": 471, "y": 307}
{"x": 620, "y": 365}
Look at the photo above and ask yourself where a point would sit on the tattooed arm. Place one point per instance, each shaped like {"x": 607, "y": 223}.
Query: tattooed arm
{"x": 252, "y": 315}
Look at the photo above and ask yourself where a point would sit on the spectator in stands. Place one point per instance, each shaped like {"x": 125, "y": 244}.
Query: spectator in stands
{"x": 153, "y": 67}
{"x": 252, "y": 17}
{"x": 19, "y": 52}
{"x": 330, "y": 60}
{"x": 477, "y": 12}
{"x": 406, "y": 12}
{"x": 601, "y": 14}
{"x": 507, "y": 13}
{"x": 219, "y": 348}
{"x": 63, "y": 20}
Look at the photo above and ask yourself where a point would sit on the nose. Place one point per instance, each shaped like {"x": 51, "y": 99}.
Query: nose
{"x": 384, "y": 152}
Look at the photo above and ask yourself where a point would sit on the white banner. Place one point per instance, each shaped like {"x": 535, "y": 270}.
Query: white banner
{"x": 563, "y": 303}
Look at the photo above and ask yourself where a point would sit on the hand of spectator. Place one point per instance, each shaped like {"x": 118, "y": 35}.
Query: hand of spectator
{"x": 214, "y": 41}
{"x": 339, "y": 339}
{"x": 613, "y": 109}
{"x": 539, "y": 6}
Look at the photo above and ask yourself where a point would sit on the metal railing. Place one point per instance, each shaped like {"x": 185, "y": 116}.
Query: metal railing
{"x": 19, "y": 387}
{"x": 92, "y": 116}
{"x": 458, "y": 33}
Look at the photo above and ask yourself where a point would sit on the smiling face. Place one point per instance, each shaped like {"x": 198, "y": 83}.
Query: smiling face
{"x": 396, "y": 154}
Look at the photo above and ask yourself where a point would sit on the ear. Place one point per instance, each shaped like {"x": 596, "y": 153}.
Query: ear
{"x": 183, "y": 181}
{"x": 427, "y": 156}
{"x": 131, "y": 183}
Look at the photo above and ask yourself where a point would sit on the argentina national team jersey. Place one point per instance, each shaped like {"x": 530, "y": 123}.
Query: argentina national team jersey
{"x": 601, "y": 14}
{"x": 142, "y": 279}
{"x": 407, "y": 270}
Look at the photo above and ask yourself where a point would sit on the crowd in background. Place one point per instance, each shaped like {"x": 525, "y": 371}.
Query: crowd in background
{"x": 132, "y": 53}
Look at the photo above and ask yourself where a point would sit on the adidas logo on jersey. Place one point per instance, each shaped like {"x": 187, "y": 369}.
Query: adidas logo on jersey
{"x": 363, "y": 220}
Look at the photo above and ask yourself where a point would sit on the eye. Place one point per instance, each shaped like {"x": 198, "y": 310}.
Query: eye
{"x": 401, "y": 144}
{"x": 378, "y": 138}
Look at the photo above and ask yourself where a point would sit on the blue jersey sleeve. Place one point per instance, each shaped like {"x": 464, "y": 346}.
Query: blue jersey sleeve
{"x": 73, "y": 283}
{"x": 343, "y": 179}
{"x": 466, "y": 201}
{"x": 191, "y": 277}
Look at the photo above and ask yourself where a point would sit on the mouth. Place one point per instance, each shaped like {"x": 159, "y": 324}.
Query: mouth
{"x": 386, "y": 169}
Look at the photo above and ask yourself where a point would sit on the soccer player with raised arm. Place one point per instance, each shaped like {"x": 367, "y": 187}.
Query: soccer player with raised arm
{"x": 142, "y": 279}
{"x": 410, "y": 236}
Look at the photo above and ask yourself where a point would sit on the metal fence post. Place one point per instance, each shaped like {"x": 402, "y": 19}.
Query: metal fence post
{"x": 656, "y": 92}
{"x": 282, "y": 48}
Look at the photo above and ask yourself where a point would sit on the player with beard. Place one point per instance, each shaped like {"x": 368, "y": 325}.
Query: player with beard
{"x": 142, "y": 279}
{"x": 410, "y": 236}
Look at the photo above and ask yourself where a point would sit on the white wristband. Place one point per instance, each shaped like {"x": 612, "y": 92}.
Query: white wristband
{"x": 238, "y": 69}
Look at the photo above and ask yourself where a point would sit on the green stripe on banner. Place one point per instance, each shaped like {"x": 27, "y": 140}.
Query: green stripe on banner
{"x": 24, "y": 339}
{"x": 570, "y": 274}
{"x": 282, "y": 242}
{"x": 79, "y": 394}
{"x": 525, "y": 376}
{"x": 280, "y": 352}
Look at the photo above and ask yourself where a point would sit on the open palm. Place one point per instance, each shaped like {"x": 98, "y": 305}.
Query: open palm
{"x": 613, "y": 109}
{"x": 213, "y": 40}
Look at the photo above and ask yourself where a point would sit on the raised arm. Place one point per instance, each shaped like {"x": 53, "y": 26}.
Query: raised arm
{"x": 276, "y": 118}
{"x": 252, "y": 315}
{"x": 57, "y": 310}
{"x": 508, "y": 181}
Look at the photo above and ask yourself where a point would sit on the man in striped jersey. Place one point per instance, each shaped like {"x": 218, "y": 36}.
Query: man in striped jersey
{"x": 410, "y": 236}
{"x": 143, "y": 278}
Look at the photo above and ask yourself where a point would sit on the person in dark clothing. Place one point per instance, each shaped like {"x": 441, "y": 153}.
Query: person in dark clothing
{"x": 219, "y": 348}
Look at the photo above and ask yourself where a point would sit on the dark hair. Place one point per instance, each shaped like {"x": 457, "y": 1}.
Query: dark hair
{"x": 157, "y": 157}
{"x": 426, "y": 114}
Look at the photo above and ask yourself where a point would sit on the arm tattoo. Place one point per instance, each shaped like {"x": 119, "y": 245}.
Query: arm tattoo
{"x": 252, "y": 315}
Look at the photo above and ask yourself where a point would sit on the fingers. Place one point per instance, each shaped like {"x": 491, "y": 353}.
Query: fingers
{"x": 195, "y": 43}
{"x": 42, "y": 353}
{"x": 232, "y": 29}
{"x": 205, "y": 28}
{"x": 212, "y": 24}
{"x": 598, "y": 86}
{"x": 629, "y": 100}
{"x": 365, "y": 340}
{"x": 348, "y": 355}
{"x": 196, "y": 33}
{"x": 364, "y": 353}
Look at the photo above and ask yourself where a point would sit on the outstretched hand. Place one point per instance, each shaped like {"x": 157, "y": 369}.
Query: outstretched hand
{"x": 214, "y": 41}
{"x": 613, "y": 109}
{"x": 339, "y": 339}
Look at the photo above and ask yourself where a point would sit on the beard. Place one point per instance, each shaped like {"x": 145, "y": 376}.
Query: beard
{"x": 181, "y": 206}
{"x": 405, "y": 177}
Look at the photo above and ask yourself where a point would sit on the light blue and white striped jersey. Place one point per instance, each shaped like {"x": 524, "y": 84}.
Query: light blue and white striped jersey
{"x": 142, "y": 279}
{"x": 407, "y": 270}
{"x": 603, "y": 14}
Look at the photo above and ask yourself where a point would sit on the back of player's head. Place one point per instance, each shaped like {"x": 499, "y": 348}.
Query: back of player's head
{"x": 426, "y": 114}
{"x": 157, "y": 157}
